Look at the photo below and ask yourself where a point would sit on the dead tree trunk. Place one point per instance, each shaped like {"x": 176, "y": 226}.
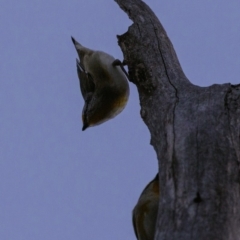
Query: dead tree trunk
{"x": 194, "y": 131}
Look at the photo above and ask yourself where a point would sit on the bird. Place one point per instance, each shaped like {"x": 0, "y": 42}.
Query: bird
{"x": 103, "y": 84}
{"x": 144, "y": 215}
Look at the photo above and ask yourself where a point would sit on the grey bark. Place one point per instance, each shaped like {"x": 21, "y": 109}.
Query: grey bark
{"x": 194, "y": 131}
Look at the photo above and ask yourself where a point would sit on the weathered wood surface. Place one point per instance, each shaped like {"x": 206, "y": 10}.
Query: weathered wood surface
{"x": 195, "y": 132}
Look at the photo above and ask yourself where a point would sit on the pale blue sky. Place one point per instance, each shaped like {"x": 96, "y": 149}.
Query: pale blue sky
{"x": 57, "y": 182}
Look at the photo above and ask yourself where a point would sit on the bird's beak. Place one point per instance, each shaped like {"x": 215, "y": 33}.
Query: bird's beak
{"x": 85, "y": 126}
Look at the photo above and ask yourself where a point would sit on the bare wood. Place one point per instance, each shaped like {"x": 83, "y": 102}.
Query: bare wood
{"x": 195, "y": 132}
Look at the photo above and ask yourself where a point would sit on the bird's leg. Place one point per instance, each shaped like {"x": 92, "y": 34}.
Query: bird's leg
{"x": 117, "y": 62}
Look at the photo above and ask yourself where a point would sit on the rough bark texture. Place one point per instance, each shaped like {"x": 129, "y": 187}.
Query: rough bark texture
{"x": 194, "y": 130}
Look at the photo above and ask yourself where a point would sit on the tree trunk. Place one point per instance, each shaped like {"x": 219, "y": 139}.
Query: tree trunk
{"x": 194, "y": 131}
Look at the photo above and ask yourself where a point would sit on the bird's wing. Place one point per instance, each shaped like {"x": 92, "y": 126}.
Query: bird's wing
{"x": 87, "y": 85}
{"x": 134, "y": 224}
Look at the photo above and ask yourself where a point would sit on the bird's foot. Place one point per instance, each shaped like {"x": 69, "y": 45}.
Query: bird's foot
{"x": 117, "y": 62}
